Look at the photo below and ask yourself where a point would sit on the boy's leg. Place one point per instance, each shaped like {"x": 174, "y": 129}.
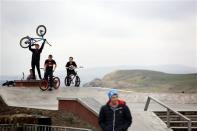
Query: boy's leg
{"x": 74, "y": 73}
{"x": 33, "y": 69}
{"x": 68, "y": 72}
{"x": 51, "y": 78}
{"x": 68, "y": 77}
{"x": 38, "y": 69}
{"x": 46, "y": 75}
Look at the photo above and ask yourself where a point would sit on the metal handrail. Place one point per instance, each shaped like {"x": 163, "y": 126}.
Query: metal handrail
{"x": 7, "y": 127}
{"x": 56, "y": 127}
{"x": 169, "y": 109}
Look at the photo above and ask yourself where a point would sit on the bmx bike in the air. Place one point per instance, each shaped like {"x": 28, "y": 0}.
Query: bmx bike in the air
{"x": 27, "y": 41}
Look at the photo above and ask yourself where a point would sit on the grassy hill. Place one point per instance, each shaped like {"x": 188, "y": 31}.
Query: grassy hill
{"x": 148, "y": 81}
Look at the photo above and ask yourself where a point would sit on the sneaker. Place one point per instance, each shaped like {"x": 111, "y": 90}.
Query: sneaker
{"x": 50, "y": 89}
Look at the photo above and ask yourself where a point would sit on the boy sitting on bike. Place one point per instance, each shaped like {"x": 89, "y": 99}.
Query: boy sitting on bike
{"x": 49, "y": 66}
{"x": 70, "y": 66}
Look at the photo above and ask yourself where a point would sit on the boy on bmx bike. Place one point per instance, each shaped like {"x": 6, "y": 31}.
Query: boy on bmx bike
{"x": 49, "y": 67}
{"x": 72, "y": 76}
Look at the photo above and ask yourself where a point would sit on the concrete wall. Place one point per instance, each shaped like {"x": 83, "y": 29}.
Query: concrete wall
{"x": 74, "y": 106}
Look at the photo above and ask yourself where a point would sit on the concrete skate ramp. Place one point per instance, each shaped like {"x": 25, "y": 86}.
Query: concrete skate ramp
{"x": 35, "y": 98}
{"x": 142, "y": 121}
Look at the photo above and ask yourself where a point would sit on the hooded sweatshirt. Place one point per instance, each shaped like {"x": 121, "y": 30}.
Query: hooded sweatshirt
{"x": 115, "y": 118}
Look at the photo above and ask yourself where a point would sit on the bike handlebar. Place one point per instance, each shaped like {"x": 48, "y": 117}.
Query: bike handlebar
{"x": 48, "y": 43}
{"x": 73, "y": 68}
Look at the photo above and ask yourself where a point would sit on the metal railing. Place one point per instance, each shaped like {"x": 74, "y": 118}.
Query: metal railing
{"x": 35, "y": 127}
{"x": 168, "y": 111}
{"x": 7, "y": 127}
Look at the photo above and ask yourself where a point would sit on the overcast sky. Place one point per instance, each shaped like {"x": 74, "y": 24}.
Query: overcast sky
{"x": 100, "y": 33}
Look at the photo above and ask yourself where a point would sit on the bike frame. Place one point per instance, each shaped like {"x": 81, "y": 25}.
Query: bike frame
{"x": 73, "y": 77}
{"x": 34, "y": 40}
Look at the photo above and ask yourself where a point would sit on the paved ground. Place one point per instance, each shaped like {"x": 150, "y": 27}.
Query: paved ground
{"x": 143, "y": 121}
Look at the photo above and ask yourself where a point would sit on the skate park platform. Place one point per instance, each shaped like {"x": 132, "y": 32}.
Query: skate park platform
{"x": 142, "y": 120}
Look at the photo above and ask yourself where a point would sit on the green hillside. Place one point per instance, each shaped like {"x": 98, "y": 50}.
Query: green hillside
{"x": 149, "y": 81}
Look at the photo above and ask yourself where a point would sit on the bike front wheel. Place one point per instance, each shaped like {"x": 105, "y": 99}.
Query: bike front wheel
{"x": 43, "y": 85}
{"x": 25, "y": 42}
{"x": 56, "y": 82}
{"x": 41, "y": 30}
{"x": 77, "y": 81}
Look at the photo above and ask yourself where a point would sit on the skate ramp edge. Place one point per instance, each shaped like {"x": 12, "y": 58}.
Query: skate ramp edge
{"x": 2, "y": 102}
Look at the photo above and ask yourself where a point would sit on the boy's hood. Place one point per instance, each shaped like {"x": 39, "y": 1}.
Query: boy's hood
{"x": 120, "y": 102}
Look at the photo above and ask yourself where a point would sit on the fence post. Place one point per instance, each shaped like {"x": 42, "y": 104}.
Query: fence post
{"x": 168, "y": 117}
{"x": 35, "y": 128}
{"x": 147, "y": 104}
{"x": 189, "y": 125}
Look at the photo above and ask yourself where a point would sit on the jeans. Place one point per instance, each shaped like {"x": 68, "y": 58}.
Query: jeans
{"x": 48, "y": 75}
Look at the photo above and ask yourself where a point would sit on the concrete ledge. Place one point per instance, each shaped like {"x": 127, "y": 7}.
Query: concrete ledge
{"x": 27, "y": 83}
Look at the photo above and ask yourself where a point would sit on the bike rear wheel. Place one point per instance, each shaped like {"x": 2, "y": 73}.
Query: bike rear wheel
{"x": 41, "y": 30}
{"x": 77, "y": 81}
{"x": 56, "y": 82}
{"x": 43, "y": 85}
{"x": 67, "y": 81}
{"x": 25, "y": 42}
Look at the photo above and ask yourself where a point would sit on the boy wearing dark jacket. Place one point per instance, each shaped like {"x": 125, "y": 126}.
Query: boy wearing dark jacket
{"x": 115, "y": 115}
{"x": 35, "y": 61}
